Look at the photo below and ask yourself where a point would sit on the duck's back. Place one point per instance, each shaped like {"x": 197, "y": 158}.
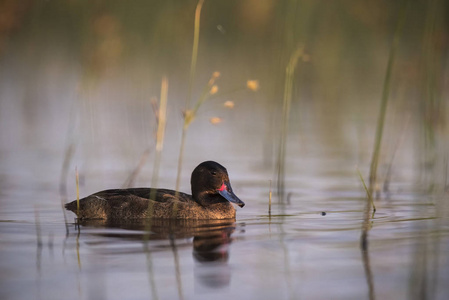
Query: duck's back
{"x": 158, "y": 195}
{"x": 135, "y": 203}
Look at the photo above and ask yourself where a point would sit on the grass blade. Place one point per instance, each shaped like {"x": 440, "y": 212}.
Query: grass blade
{"x": 385, "y": 95}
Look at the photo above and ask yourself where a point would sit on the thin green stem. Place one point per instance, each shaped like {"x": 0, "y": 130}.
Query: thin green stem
{"x": 368, "y": 193}
{"x": 269, "y": 201}
{"x": 288, "y": 88}
{"x": 77, "y": 192}
{"x": 385, "y": 95}
{"x": 196, "y": 38}
{"x": 159, "y": 145}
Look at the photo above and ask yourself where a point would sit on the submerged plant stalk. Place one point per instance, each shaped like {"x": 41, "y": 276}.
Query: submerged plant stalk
{"x": 364, "y": 238}
{"x": 177, "y": 268}
{"x": 149, "y": 260}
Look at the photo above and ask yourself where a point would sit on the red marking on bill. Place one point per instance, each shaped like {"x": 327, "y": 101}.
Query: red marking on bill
{"x": 222, "y": 188}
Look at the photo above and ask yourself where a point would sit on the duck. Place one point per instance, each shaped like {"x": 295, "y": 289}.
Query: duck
{"x": 212, "y": 199}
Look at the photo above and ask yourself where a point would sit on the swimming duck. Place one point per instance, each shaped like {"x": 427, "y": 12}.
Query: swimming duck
{"x": 211, "y": 198}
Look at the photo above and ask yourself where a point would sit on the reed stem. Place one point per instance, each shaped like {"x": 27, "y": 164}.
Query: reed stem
{"x": 269, "y": 200}
{"x": 288, "y": 89}
{"x": 159, "y": 142}
{"x": 385, "y": 96}
{"x": 196, "y": 37}
{"x": 77, "y": 191}
{"x": 368, "y": 193}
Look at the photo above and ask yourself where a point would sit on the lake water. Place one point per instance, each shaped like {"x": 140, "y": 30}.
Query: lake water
{"x": 309, "y": 248}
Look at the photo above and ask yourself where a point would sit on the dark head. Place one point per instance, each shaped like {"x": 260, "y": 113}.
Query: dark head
{"x": 210, "y": 184}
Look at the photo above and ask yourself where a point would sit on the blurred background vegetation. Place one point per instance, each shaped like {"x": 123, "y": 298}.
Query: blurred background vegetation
{"x": 84, "y": 73}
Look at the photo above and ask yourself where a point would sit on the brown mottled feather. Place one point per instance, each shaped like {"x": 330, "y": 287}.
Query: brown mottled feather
{"x": 110, "y": 204}
{"x": 211, "y": 197}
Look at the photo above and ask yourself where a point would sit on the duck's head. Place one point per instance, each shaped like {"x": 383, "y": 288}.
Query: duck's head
{"x": 210, "y": 184}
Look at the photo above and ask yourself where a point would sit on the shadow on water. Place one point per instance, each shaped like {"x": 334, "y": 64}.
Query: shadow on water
{"x": 210, "y": 245}
{"x": 160, "y": 229}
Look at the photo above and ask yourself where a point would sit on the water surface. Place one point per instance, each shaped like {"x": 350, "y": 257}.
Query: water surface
{"x": 307, "y": 248}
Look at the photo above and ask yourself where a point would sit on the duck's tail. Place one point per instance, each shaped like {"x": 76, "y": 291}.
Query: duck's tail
{"x": 71, "y": 206}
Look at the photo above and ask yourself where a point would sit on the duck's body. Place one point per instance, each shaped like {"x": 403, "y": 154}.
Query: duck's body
{"x": 210, "y": 199}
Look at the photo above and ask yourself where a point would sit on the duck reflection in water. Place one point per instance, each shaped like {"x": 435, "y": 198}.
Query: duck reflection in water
{"x": 211, "y": 240}
{"x": 211, "y": 252}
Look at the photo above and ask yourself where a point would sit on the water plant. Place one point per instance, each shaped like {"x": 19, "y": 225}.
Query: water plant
{"x": 368, "y": 193}
{"x": 63, "y": 180}
{"x": 269, "y": 201}
{"x": 366, "y": 226}
{"x": 159, "y": 140}
{"x": 288, "y": 88}
{"x": 209, "y": 90}
{"x": 395, "y": 149}
{"x": 77, "y": 179}
{"x": 433, "y": 108}
{"x": 196, "y": 37}
{"x": 385, "y": 96}
{"x": 160, "y": 133}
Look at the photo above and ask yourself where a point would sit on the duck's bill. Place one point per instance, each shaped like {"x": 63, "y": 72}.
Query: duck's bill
{"x": 226, "y": 192}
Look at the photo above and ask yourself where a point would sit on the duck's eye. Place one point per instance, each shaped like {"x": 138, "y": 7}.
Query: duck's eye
{"x": 213, "y": 173}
